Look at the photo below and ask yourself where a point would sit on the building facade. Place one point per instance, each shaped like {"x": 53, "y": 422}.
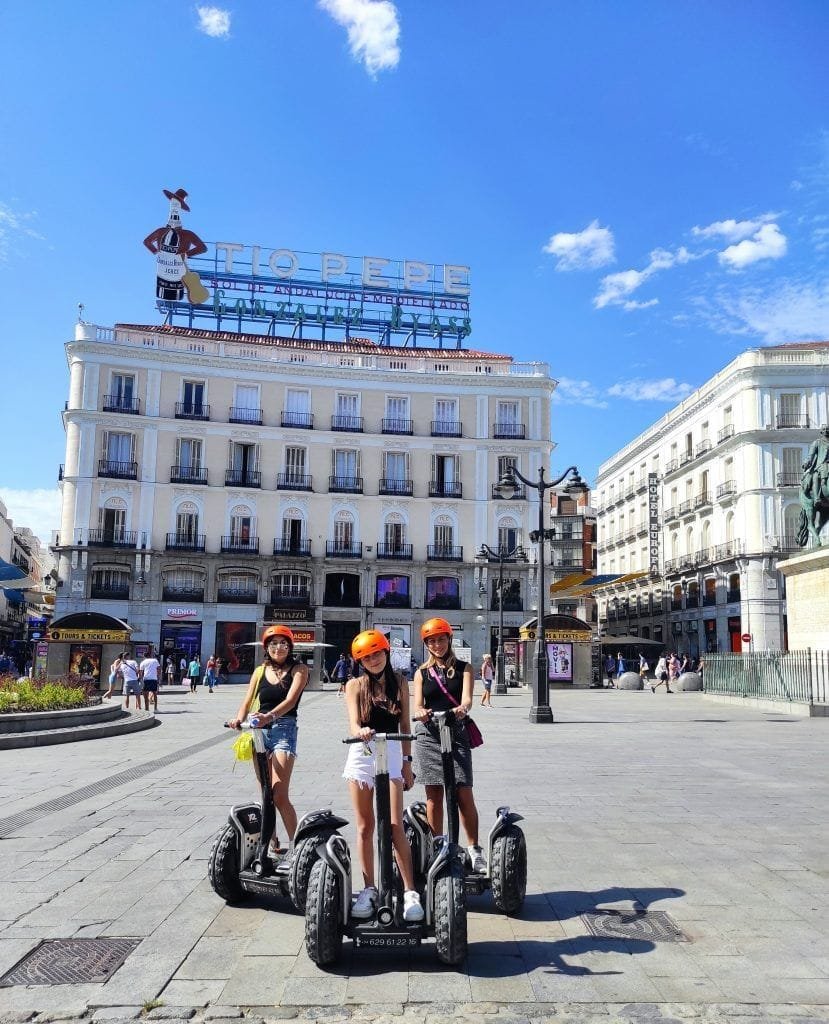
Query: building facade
{"x": 22, "y": 619}
{"x": 215, "y": 481}
{"x": 724, "y": 467}
{"x": 573, "y": 550}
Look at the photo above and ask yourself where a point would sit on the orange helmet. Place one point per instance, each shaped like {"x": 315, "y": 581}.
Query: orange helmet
{"x": 277, "y": 630}
{"x": 435, "y": 627}
{"x": 370, "y": 641}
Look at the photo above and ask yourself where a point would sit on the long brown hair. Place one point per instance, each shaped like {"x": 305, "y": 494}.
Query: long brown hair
{"x": 382, "y": 692}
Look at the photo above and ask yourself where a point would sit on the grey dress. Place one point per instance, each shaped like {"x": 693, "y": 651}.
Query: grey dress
{"x": 428, "y": 762}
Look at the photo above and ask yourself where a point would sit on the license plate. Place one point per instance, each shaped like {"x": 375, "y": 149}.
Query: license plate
{"x": 389, "y": 940}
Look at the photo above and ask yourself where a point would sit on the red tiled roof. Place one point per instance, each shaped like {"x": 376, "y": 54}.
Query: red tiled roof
{"x": 801, "y": 344}
{"x": 359, "y": 346}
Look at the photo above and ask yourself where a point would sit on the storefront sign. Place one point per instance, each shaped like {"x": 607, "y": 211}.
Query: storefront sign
{"x": 304, "y": 636}
{"x": 654, "y": 525}
{"x": 558, "y": 635}
{"x": 181, "y": 613}
{"x": 89, "y": 636}
{"x": 276, "y": 613}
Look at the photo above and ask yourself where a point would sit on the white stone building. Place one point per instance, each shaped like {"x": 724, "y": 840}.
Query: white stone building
{"x": 728, "y": 460}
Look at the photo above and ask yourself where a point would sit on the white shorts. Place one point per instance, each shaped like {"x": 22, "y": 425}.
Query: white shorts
{"x": 359, "y": 766}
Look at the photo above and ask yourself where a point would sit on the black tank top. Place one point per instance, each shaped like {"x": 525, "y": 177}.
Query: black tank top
{"x": 271, "y": 695}
{"x": 433, "y": 697}
{"x": 381, "y": 719}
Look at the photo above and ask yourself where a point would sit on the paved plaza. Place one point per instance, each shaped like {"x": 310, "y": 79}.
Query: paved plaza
{"x": 714, "y": 815}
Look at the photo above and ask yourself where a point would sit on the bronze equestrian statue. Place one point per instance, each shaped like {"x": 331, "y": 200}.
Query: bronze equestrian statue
{"x": 814, "y": 491}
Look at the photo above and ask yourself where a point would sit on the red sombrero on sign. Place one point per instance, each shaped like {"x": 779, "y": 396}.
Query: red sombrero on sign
{"x": 180, "y": 195}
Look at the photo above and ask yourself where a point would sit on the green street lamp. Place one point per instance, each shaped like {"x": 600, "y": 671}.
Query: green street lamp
{"x": 500, "y": 556}
{"x": 506, "y": 487}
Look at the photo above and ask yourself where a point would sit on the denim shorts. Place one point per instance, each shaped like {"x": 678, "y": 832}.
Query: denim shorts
{"x": 282, "y": 735}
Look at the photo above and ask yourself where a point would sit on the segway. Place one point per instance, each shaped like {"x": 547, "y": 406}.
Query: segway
{"x": 328, "y": 906}
{"x": 240, "y": 863}
{"x": 506, "y": 873}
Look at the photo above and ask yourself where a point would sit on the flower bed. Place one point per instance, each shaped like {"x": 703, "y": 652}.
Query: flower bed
{"x": 22, "y": 694}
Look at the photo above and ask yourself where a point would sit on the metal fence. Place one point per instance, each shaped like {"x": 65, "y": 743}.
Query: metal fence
{"x": 799, "y": 676}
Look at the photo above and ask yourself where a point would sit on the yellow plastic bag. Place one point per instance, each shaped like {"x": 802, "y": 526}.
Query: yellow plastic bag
{"x": 243, "y": 747}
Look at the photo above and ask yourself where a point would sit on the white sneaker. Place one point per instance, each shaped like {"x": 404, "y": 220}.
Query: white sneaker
{"x": 476, "y": 855}
{"x": 412, "y": 910}
{"x": 365, "y": 904}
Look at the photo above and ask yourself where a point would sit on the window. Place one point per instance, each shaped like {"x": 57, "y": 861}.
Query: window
{"x": 192, "y": 397}
{"x": 112, "y": 522}
{"x": 343, "y": 534}
{"x": 297, "y": 401}
{"x": 295, "y": 465}
{"x": 290, "y": 588}
{"x": 444, "y": 536}
{"x": 509, "y": 538}
{"x": 292, "y": 533}
{"x": 392, "y": 592}
{"x": 446, "y": 410}
{"x": 187, "y": 523}
{"x": 442, "y": 592}
{"x": 121, "y": 393}
{"x": 791, "y": 411}
{"x": 242, "y": 527}
{"x": 791, "y": 525}
{"x": 342, "y": 589}
{"x": 183, "y": 581}
{"x": 347, "y": 405}
{"x": 119, "y": 448}
{"x": 508, "y": 413}
{"x": 445, "y": 472}
{"x": 189, "y": 453}
{"x": 395, "y": 466}
{"x": 394, "y": 535}
{"x": 397, "y": 407}
{"x": 110, "y": 583}
{"x": 246, "y": 407}
{"x": 345, "y": 464}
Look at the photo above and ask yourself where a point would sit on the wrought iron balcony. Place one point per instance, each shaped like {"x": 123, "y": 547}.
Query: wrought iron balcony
{"x": 444, "y": 553}
{"x": 445, "y": 489}
{"x": 702, "y": 557}
{"x": 293, "y": 482}
{"x": 294, "y": 548}
{"x": 346, "y": 484}
{"x": 672, "y": 466}
{"x": 722, "y": 552}
{"x": 240, "y": 545}
{"x": 112, "y": 538}
{"x": 400, "y": 552}
{"x": 788, "y": 542}
{"x": 110, "y": 591}
{"x": 301, "y": 420}
{"x": 243, "y": 478}
{"x": 391, "y": 485}
{"x": 686, "y": 457}
{"x": 513, "y": 431}
{"x": 686, "y": 507}
{"x": 118, "y": 403}
{"x": 237, "y": 595}
{"x": 192, "y": 411}
{"x": 446, "y": 428}
{"x": 185, "y": 542}
{"x": 337, "y": 549}
{"x": 118, "y": 470}
{"x": 702, "y": 499}
{"x": 726, "y": 489}
{"x": 792, "y": 421}
{"x": 788, "y": 479}
{"x": 351, "y": 424}
{"x": 726, "y": 432}
{"x": 395, "y": 426}
{"x": 188, "y": 475}
{"x": 702, "y": 448}
{"x": 182, "y": 593}
{"x": 241, "y": 414}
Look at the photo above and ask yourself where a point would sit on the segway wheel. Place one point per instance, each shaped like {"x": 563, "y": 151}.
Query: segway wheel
{"x": 323, "y": 915}
{"x": 508, "y": 870}
{"x": 305, "y": 857}
{"x": 450, "y": 916}
{"x": 223, "y": 866}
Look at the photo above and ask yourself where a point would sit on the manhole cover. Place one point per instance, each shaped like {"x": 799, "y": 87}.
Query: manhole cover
{"x": 655, "y": 926}
{"x": 70, "y": 961}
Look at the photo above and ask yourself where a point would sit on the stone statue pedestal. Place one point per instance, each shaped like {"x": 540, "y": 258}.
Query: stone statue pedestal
{"x": 807, "y": 599}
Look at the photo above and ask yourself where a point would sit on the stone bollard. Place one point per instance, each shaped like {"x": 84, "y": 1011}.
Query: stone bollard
{"x": 630, "y": 681}
{"x": 689, "y": 681}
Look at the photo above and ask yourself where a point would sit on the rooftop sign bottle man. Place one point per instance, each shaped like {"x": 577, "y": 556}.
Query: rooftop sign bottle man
{"x": 171, "y": 245}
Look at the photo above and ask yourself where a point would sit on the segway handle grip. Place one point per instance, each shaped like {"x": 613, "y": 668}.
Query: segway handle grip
{"x": 385, "y": 735}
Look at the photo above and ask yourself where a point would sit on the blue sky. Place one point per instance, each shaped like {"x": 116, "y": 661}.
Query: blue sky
{"x": 640, "y": 189}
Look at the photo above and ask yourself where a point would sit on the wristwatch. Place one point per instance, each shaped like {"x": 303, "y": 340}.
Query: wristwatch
{"x": 408, "y": 757}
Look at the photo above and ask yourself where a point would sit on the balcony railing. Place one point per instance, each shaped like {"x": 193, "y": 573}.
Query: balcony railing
{"x": 792, "y": 420}
{"x": 291, "y": 597}
{"x": 446, "y": 428}
{"x": 391, "y": 485}
{"x": 520, "y": 491}
{"x": 295, "y": 548}
{"x": 112, "y": 538}
{"x": 293, "y": 482}
{"x": 788, "y": 479}
{"x": 401, "y": 552}
{"x": 702, "y": 557}
{"x": 243, "y": 478}
{"x": 513, "y": 431}
{"x": 119, "y": 470}
{"x": 185, "y": 541}
{"x": 182, "y": 593}
{"x": 192, "y": 411}
{"x": 241, "y": 414}
{"x": 188, "y": 475}
{"x": 726, "y": 489}
{"x": 672, "y": 466}
{"x": 394, "y": 426}
{"x": 445, "y": 489}
{"x": 110, "y": 591}
{"x": 117, "y": 403}
{"x": 722, "y": 552}
{"x": 686, "y": 457}
{"x": 702, "y": 448}
{"x": 353, "y": 424}
{"x": 346, "y": 484}
{"x": 444, "y": 553}
{"x": 237, "y": 595}
{"x": 788, "y": 542}
{"x": 726, "y": 432}
{"x": 702, "y": 499}
{"x": 302, "y": 420}
{"x": 337, "y": 549}
{"x": 240, "y": 545}
{"x": 685, "y": 507}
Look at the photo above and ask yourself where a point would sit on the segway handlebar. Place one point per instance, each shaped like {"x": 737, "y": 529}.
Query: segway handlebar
{"x": 381, "y": 736}
{"x": 247, "y": 724}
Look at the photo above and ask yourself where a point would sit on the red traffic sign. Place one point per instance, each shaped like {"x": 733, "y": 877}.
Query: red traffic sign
{"x": 746, "y": 638}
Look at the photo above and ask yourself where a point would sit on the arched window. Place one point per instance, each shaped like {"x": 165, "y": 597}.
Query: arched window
{"x": 394, "y": 543}
{"x": 238, "y": 586}
{"x": 344, "y": 542}
{"x": 112, "y": 523}
{"x": 290, "y": 589}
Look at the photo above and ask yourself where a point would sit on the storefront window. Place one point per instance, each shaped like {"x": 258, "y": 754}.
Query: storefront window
{"x": 442, "y": 592}
{"x": 236, "y": 644}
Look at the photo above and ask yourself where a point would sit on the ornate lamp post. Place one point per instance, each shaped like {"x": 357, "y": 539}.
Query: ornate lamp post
{"x": 500, "y": 556}
{"x": 506, "y": 487}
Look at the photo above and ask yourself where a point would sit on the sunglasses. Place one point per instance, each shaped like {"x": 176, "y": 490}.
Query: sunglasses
{"x": 279, "y": 643}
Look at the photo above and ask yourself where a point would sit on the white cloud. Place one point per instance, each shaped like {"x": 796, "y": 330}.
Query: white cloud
{"x": 38, "y": 509}
{"x": 373, "y": 30}
{"x": 665, "y": 390}
{"x": 769, "y": 243}
{"x": 615, "y": 289}
{"x": 582, "y": 250}
{"x": 734, "y": 230}
{"x": 11, "y": 225}
{"x": 795, "y": 311}
{"x": 578, "y": 392}
{"x": 213, "y": 21}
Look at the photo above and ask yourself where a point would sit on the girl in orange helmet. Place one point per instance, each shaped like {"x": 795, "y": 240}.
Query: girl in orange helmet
{"x": 377, "y": 700}
{"x": 443, "y": 683}
{"x": 279, "y": 684}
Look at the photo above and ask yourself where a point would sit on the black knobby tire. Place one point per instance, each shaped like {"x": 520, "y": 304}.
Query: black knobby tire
{"x": 223, "y": 866}
{"x": 305, "y": 857}
{"x": 508, "y": 870}
{"x": 323, "y": 915}
{"x": 450, "y": 916}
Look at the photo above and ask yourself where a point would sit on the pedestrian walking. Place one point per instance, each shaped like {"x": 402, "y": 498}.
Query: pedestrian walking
{"x": 378, "y": 701}
{"x": 182, "y": 669}
{"x": 210, "y": 674}
{"x": 487, "y": 674}
{"x": 132, "y": 684}
{"x": 149, "y": 672}
{"x": 194, "y": 672}
{"x": 644, "y": 667}
{"x": 341, "y": 673}
{"x": 171, "y": 672}
{"x": 278, "y": 686}
{"x": 114, "y": 674}
{"x": 620, "y": 665}
{"x": 609, "y": 669}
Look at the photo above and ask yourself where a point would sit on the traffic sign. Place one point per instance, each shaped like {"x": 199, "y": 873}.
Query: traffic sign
{"x": 746, "y": 638}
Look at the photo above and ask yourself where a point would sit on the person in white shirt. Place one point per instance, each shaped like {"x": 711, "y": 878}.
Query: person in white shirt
{"x": 132, "y": 684}
{"x": 149, "y": 671}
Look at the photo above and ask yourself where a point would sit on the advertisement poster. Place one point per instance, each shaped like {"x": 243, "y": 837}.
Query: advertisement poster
{"x": 85, "y": 661}
{"x": 392, "y": 592}
{"x": 41, "y": 652}
{"x": 560, "y": 662}
{"x": 442, "y": 592}
{"x": 236, "y": 643}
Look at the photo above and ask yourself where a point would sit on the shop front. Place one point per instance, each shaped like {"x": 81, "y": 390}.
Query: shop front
{"x": 85, "y": 644}
{"x": 568, "y": 644}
